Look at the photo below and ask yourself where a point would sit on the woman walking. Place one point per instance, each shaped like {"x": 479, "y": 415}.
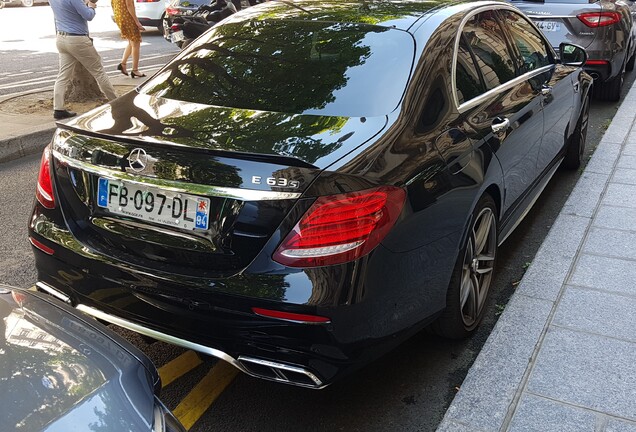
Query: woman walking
{"x": 130, "y": 28}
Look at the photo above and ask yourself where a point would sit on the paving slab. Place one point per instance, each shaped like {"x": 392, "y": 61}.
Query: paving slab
{"x": 535, "y": 414}
{"x": 553, "y": 261}
{"x": 627, "y": 161}
{"x": 604, "y": 158}
{"x": 605, "y": 273}
{"x": 619, "y": 218}
{"x": 624, "y": 175}
{"x": 586, "y": 370}
{"x": 597, "y": 312}
{"x": 615, "y": 425}
{"x": 491, "y": 384}
{"x": 585, "y": 197}
{"x": 611, "y": 243}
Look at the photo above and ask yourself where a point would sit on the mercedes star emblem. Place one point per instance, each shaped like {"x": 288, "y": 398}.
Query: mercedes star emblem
{"x": 138, "y": 159}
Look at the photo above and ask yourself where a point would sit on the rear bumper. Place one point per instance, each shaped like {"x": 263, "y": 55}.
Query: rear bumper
{"x": 257, "y": 346}
{"x": 149, "y": 22}
{"x": 370, "y": 308}
{"x": 600, "y": 73}
{"x": 610, "y": 69}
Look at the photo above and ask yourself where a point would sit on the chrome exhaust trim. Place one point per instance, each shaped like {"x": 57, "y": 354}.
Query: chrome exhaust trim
{"x": 158, "y": 335}
{"x": 54, "y": 292}
{"x": 279, "y": 372}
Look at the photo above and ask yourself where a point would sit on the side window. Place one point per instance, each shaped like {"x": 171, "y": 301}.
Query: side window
{"x": 467, "y": 81}
{"x": 528, "y": 41}
{"x": 486, "y": 40}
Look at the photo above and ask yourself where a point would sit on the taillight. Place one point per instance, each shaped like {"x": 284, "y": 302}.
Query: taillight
{"x": 172, "y": 11}
{"x": 18, "y": 297}
{"x": 599, "y": 19}
{"x": 175, "y": 27}
{"x": 290, "y": 316}
{"x": 44, "y": 248}
{"x": 341, "y": 228}
{"x": 596, "y": 62}
{"x": 44, "y": 190}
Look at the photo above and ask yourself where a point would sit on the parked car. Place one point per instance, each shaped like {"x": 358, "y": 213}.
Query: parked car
{"x": 151, "y": 12}
{"x": 62, "y": 371}
{"x": 177, "y": 8}
{"x": 186, "y": 28}
{"x": 25, "y": 3}
{"x": 277, "y": 197}
{"x": 605, "y": 28}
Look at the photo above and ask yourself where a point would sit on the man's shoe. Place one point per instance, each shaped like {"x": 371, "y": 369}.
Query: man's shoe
{"x": 62, "y": 114}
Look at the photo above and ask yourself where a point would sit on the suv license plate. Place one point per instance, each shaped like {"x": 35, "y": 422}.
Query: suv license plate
{"x": 548, "y": 26}
{"x": 152, "y": 204}
{"x": 177, "y": 36}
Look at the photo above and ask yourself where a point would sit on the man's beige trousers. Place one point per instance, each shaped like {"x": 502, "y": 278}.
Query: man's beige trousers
{"x": 80, "y": 49}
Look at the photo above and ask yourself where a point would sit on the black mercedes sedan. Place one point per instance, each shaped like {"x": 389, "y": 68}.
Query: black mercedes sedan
{"x": 310, "y": 183}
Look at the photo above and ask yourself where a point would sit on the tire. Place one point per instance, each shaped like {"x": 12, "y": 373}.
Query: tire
{"x": 27, "y": 3}
{"x": 629, "y": 66}
{"x": 161, "y": 26}
{"x": 470, "y": 282}
{"x": 610, "y": 90}
{"x": 576, "y": 145}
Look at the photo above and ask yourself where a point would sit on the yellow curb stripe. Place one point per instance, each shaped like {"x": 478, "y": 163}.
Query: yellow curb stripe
{"x": 178, "y": 367}
{"x": 203, "y": 395}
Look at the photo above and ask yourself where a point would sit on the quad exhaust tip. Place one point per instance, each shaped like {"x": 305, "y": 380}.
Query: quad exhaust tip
{"x": 280, "y": 372}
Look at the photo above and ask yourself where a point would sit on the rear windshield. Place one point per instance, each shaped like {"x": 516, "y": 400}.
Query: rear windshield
{"x": 296, "y": 67}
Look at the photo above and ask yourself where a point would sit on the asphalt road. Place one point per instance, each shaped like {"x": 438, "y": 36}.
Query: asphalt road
{"x": 407, "y": 390}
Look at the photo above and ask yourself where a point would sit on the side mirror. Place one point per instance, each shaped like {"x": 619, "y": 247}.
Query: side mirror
{"x": 572, "y": 55}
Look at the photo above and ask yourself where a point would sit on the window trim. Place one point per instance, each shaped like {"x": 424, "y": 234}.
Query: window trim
{"x": 466, "y": 105}
{"x": 513, "y": 45}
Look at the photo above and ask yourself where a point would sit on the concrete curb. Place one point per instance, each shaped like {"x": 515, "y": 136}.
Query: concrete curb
{"x": 491, "y": 393}
{"x": 25, "y": 144}
{"x": 33, "y": 139}
{"x": 29, "y": 140}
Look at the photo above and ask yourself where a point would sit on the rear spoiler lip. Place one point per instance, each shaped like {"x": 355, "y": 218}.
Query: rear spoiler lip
{"x": 256, "y": 157}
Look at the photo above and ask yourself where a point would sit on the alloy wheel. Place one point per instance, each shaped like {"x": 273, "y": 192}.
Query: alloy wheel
{"x": 478, "y": 265}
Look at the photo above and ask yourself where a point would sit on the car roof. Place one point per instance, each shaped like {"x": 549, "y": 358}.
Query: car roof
{"x": 399, "y": 14}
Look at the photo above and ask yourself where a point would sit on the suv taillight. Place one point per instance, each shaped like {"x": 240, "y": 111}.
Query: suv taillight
{"x": 599, "y": 19}
{"x": 44, "y": 189}
{"x": 341, "y": 228}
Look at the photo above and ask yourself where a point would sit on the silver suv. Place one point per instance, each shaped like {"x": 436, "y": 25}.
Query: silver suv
{"x": 604, "y": 28}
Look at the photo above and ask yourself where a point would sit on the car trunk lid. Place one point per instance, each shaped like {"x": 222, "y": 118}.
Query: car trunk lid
{"x": 175, "y": 154}
{"x": 558, "y": 20}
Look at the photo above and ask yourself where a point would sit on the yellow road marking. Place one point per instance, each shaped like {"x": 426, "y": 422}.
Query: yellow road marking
{"x": 178, "y": 367}
{"x": 203, "y": 395}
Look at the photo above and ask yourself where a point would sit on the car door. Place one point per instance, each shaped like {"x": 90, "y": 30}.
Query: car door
{"x": 509, "y": 113}
{"x": 554, "y": 81}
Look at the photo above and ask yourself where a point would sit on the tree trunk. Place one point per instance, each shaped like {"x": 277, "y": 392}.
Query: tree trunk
{"x": 83, "y": 87}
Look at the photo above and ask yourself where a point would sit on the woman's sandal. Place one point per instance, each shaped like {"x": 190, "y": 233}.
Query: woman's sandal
{"x": 136, "y": 75}
{"x": 120, "y": 68}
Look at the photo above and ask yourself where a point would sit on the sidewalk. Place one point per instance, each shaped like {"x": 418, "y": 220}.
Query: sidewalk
{"x": 29, "y": 129}
{"x": 562, "y": 357}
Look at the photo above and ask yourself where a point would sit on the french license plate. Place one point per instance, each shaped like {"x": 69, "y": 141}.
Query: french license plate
{"x": 548, "y": 26}
{"x": 177, "y": 36}
{"x": 152, "y": 204}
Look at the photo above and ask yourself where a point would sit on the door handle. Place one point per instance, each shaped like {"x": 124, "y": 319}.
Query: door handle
{"x": 501, "y": 125}
{"x": 546, "y": 90}
{"x": 576, "y": 86}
